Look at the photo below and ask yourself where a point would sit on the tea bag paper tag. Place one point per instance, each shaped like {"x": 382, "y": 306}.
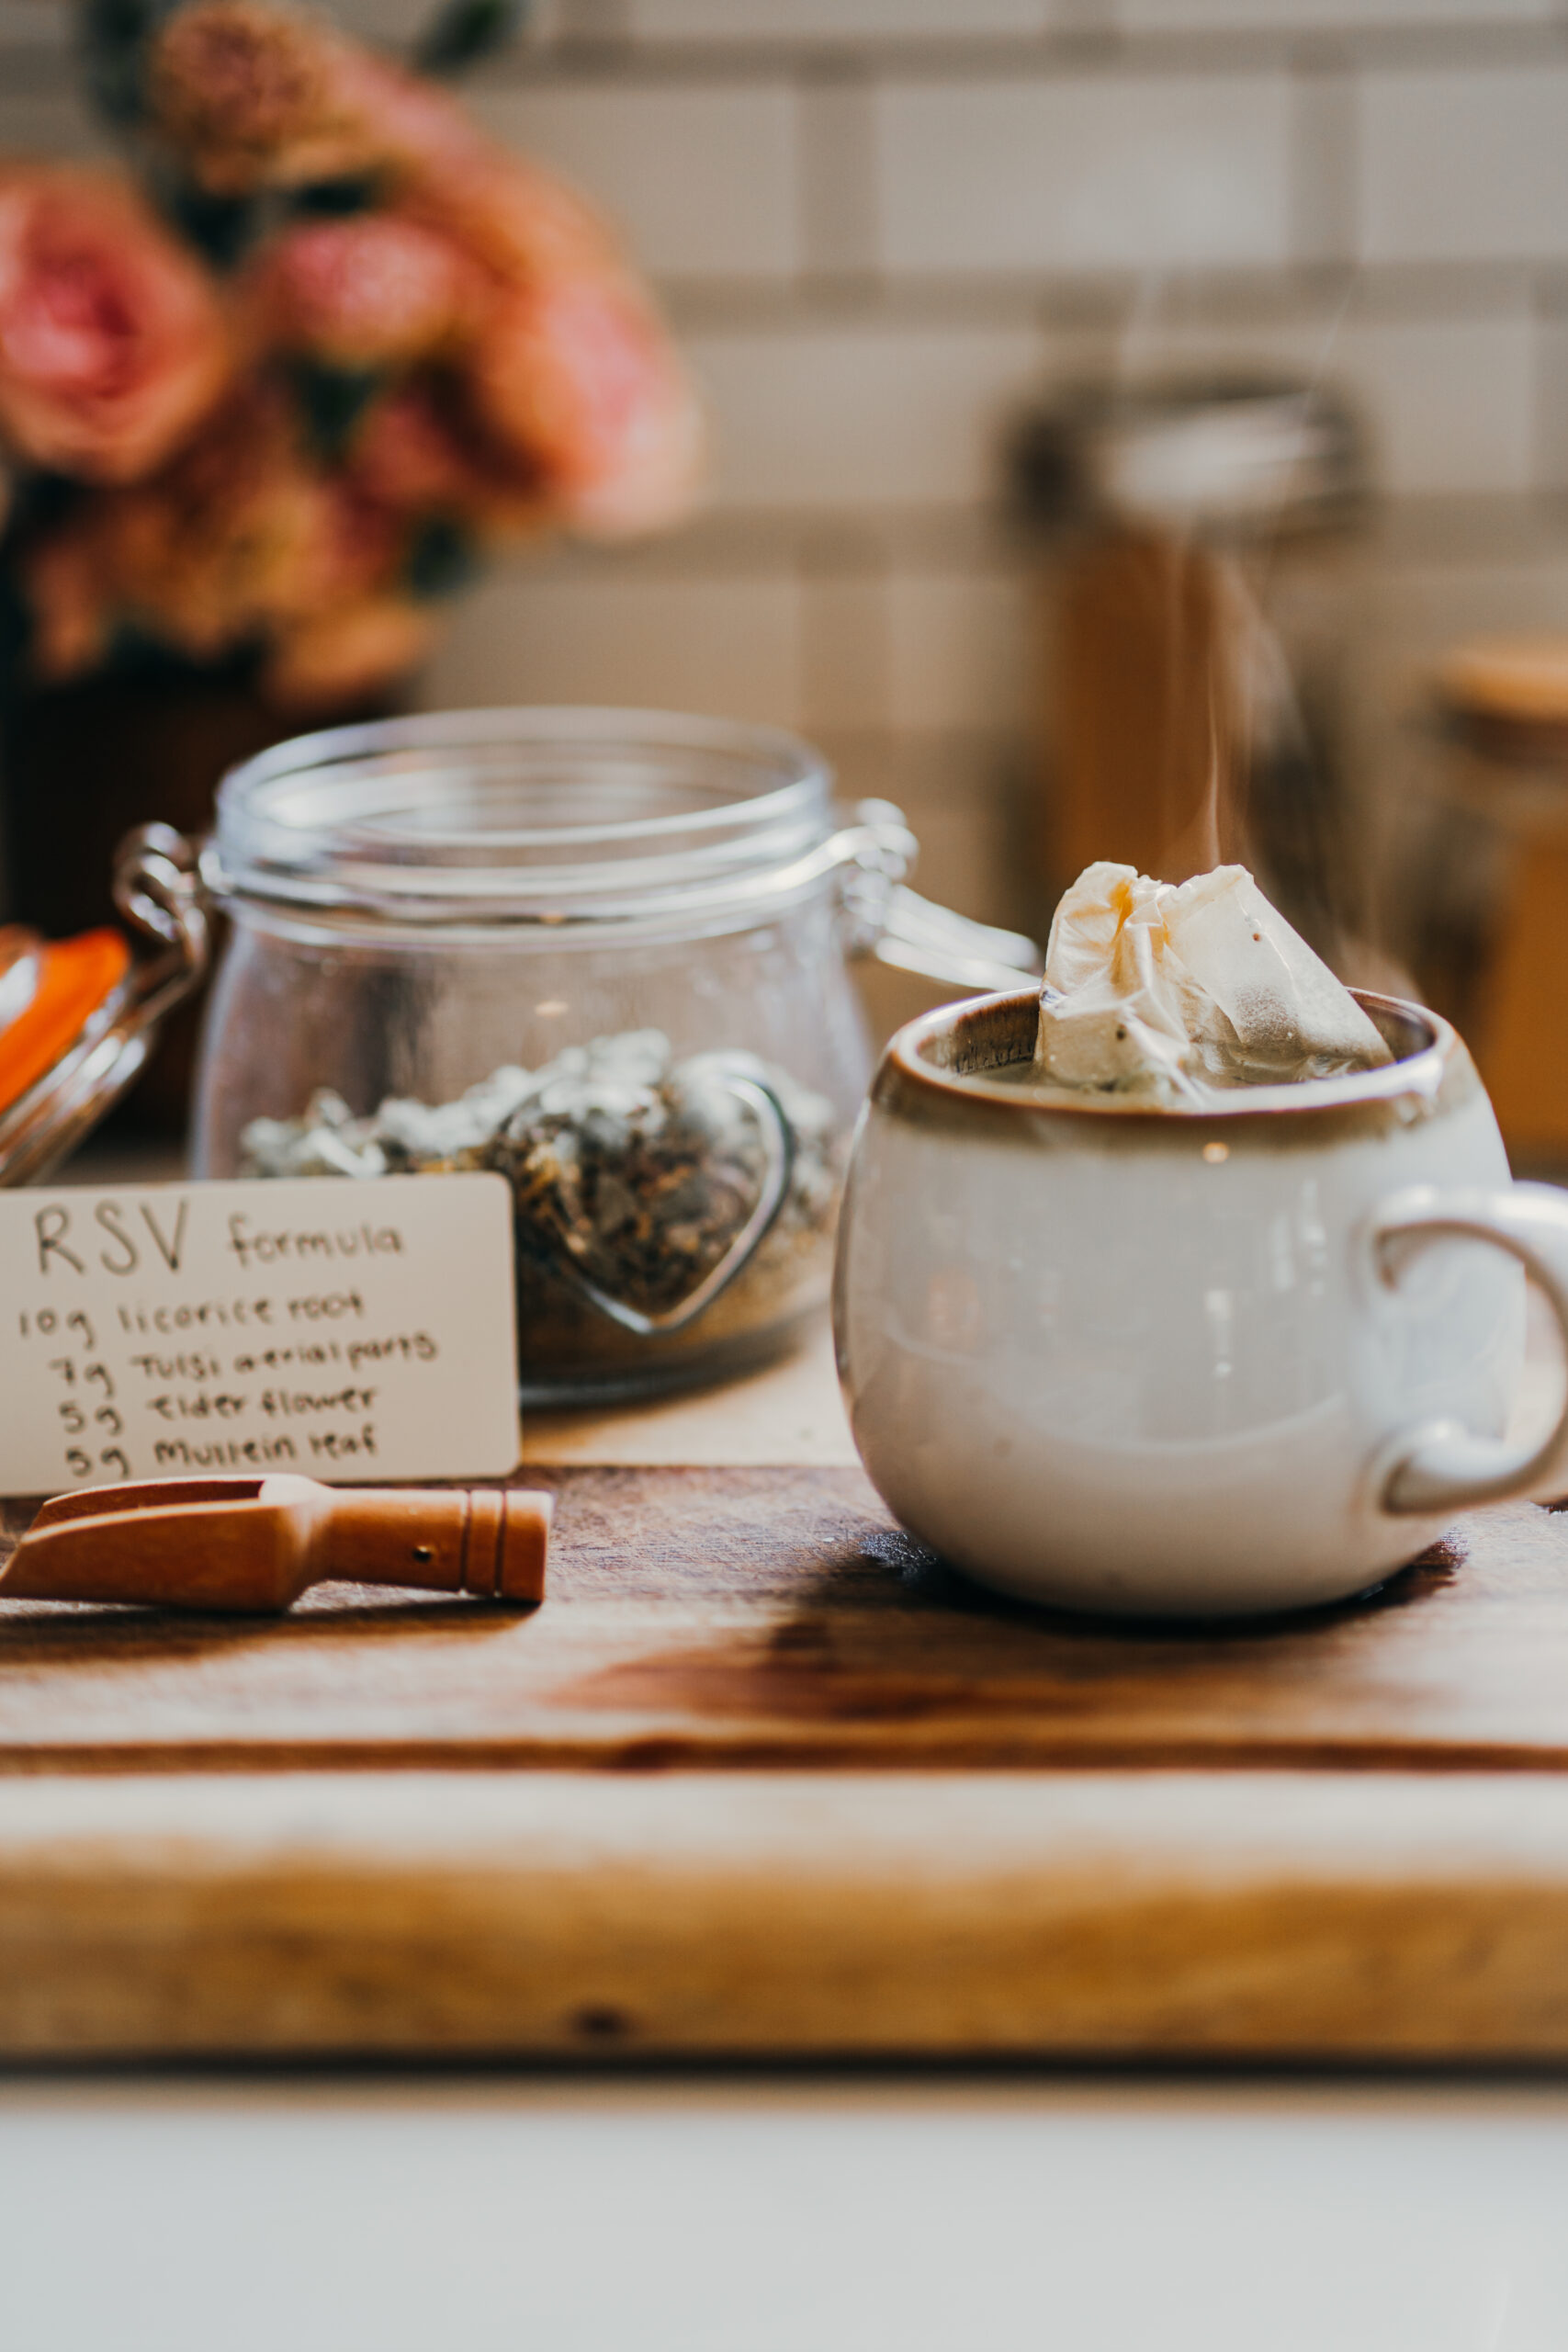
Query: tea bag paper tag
{"x": 345, "y": 1331}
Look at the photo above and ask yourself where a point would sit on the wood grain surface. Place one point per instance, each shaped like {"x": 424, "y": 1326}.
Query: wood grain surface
{"x": 1343, "y": 1835}
{"x": 759, "y": 1618}
{"x": 578, "y": 1915}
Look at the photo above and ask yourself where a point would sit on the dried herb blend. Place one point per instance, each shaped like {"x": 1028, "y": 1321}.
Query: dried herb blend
{"x": 631, "y": 1172}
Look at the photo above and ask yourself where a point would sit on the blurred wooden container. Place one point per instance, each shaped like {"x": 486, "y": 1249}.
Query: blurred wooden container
{"x": 1198, "y": 558}
{"x": 1493, "y": 879}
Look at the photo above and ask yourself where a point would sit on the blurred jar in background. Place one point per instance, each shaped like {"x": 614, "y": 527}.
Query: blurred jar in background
{"x": 1489, "y": 872}
{"x": 1200, "y": 558}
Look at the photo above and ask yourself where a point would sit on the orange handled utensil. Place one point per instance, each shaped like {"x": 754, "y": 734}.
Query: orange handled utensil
{"x": 257, "y": 1544}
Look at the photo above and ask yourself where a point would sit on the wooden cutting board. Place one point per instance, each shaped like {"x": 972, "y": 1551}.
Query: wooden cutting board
{"x": 752, "y": 1618}
{"x": 759, "y": 1777}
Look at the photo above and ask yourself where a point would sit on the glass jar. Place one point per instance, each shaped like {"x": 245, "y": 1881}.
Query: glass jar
{"x": 605, "y": 952}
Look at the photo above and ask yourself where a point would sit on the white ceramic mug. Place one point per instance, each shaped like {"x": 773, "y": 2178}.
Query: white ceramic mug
{"x": 1125, "y": 1359}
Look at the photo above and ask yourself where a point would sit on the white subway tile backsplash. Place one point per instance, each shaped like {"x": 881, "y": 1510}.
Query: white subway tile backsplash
{"x": 54, "y": 125}
{"x": 823, "y": 416}
{"x": 1450, "y": 402}
{"x": 1312, "y": 15}
{"x": 1464, "y": 166}
{"x": 394, "y": 21}
{"x": 837, "y": 20}
{"x": 626, "y": 634}
{"x": 1151, "y": 345}
{"x": 957, "y": 652}
{"x": 1323, "y": 139}
{"x": 1428, "y": 608}
{"x": 1086, "y": 172}
{"x": 1551, "y": 403}
{"x": 703, "y": 180}
{"x": 836, "y": 144}
{"x": 34, "y": 24}
{"x": 844, "y": 651}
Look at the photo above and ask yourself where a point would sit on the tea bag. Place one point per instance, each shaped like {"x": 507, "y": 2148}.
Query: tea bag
{"x": 1171, "y": 989}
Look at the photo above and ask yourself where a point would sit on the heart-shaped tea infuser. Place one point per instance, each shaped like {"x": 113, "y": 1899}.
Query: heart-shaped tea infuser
{"x": 778, "y": 1145}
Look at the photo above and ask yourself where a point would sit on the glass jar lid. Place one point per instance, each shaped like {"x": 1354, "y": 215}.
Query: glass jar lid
{"x": 570, "y": 817}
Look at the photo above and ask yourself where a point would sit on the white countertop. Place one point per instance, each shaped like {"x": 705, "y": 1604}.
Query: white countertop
{"x": 780, "y": 2215}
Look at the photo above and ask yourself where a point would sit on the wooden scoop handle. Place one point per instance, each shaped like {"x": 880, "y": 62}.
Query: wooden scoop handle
{"x": 485, "y": 1540}
{"x": 261, "y": 1545}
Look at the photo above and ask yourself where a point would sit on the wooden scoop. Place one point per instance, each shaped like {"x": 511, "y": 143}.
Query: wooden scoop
{"x": 257, "y": 1544}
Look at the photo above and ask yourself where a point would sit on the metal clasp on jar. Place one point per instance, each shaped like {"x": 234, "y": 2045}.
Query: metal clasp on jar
{"x": 160, "y": 894}
{"x": 896, "y": 926}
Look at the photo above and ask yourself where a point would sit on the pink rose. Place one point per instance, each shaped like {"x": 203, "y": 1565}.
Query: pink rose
{"x": 363, "y": 291}
{"x": 482, "y": 260}
{"x": 571, "y": 370}
{"x": 577, "y": 374}
{"x": 112, "y": 340}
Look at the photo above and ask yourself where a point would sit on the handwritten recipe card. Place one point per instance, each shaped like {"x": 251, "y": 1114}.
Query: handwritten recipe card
{"x": 344, "y": 1331}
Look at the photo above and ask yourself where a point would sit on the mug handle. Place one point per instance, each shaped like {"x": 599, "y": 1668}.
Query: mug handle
{"x": 1441, "y": 1465}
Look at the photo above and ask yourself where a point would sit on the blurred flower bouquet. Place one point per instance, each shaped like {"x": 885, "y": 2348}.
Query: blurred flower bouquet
{"x": 269, "y": 398}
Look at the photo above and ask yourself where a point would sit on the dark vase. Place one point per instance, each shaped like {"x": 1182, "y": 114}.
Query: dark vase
{"x": 80, "y": 765}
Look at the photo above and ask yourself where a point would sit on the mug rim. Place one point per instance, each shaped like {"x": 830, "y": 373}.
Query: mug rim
{"x": 1421, "y": 1071}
